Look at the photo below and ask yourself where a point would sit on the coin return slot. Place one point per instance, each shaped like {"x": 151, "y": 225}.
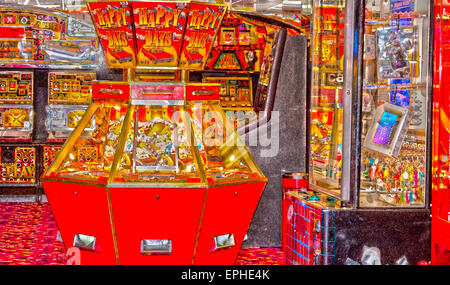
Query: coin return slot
{"x": 156, "y": 246}
{"x": 85, "y": 242}
{"x": 150, "y": 92}
{"x": 202, "y": 92}
{"x": 110, "y": 91}
{"x": 223, "y": 242}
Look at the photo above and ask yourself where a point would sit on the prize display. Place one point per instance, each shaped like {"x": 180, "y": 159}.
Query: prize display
{"x": 393, "y": 102}
{"x": 395, "y": 68}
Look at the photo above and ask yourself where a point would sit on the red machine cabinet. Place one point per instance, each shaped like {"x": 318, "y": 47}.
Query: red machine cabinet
{"x": 440, "y": 224}
{"x": 290, "y": 182}
{"x": 222, "y": 220}
{"x": 303, "y": 230}
{"x": 157, "y": 214}
{"x": 83, "y": 211}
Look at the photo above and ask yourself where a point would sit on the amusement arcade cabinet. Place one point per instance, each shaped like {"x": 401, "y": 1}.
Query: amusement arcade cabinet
{"x": 158, "y": 178}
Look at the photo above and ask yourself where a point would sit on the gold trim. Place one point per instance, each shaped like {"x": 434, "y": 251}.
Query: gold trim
{"x": 121, "y": 145}
{"x": 79, "y": 182}
{"x": 202, "y": 214}
{"x": 238, "y": 182}
{"x": 113, "y": 225}
{"x": 197, "y": 157}
{"x": 135, "y": 185}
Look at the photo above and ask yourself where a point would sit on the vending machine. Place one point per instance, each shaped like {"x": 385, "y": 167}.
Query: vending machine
{"x": 370, "y": 137}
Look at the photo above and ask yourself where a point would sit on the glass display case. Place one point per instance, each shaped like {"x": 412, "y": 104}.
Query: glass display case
{"x": 326, "y": 117}
{"x": 395, "y": 99}
{"x": 370, "y": 135}
{"x": 386, "y": 84}
{"x": 158, "y": 147}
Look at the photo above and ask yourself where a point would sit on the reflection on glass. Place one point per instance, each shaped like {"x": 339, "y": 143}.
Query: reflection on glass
{"x": 91, "y": 156}
{"x": 326, "y": 103}
{"x": 222, "y": 152}
{"x": 158, "y": 147}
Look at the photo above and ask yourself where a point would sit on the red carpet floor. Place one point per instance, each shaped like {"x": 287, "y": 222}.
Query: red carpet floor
{"x": 28, "y": 236}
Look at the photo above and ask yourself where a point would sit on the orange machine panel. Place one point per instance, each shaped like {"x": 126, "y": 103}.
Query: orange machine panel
{"x": 157, "y": 216}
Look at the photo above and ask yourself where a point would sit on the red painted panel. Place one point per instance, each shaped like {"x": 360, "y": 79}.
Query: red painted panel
{"x": 196, "y": 92}
{"x": 302, "y": 241}
{"x": 82, "y": 209}
{"x": 440, "y": 227}
{"x": 228, "y": 210}
{"x": 111, "y": 90}
{"x": 163, "y": 213}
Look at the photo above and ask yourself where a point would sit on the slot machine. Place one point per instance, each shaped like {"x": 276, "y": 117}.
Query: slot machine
{"x": 152, "y": 158}
{"x": 33, "y": 42}
{"x": 370, "y": 137}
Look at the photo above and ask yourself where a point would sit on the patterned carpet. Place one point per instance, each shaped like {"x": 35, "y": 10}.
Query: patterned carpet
{"x": 28, "y": 236}
{"x": 261, "y": 256}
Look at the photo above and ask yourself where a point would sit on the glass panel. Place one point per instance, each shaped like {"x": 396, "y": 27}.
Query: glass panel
{"x": 158, "y": 147}
{"x": 394, "y": 103}
{"x": 222, "y": 152}
{"x": 327, "y": 90}
{"x": 91, "y": 156}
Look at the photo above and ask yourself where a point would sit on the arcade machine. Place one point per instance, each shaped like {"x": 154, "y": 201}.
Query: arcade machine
{"x": 236, "y": 59}
{"x": 69, "y": 94}
{"x": 33, "y": 42}
{"x": 440, "y": 220}
{"x": 370, "y": 124}
{"x": 153, "y": 174}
